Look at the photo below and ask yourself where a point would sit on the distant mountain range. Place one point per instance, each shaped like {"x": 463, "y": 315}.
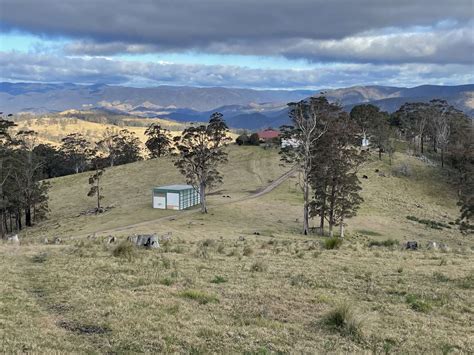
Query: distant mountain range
{"x": 242, "y": 108}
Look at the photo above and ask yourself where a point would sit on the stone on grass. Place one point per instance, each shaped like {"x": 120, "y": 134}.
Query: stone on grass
{"x": 412, "y": 245}
{"x": 13, "y": 239}
{"x": 149, "y": 241}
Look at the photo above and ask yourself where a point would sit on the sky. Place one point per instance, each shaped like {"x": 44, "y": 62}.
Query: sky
{"x": 260, "y": 44}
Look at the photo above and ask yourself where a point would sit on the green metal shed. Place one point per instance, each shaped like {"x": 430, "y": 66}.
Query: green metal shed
{"x": 175, "y": 197}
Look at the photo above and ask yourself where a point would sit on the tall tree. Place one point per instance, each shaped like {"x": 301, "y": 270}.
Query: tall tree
{"x": 201, "y": 152}
{"x": 96, "y": 187}
{"x": 334, "y": 177}
{"x": 5, "y": 169}
{"x": 126, "y": 148}
{"x": 414, "y": 119}
{"x": 309, "y": 123}
{"x": 159, "y": 141}
{"x": 374, "y": 124}
{"x": 78, "y": 152}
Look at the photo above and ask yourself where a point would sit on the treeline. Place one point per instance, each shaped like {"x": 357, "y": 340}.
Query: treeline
{"x": 26, "y": 163}
{"x": 23, "y": 197}
{"x": 332, "y": 144}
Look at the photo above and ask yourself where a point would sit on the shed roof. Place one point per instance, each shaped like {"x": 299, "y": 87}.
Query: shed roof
{"x": 175, "y": 187}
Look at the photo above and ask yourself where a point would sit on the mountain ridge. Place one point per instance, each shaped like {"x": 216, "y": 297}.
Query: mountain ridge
{"x": 243, "y": 108}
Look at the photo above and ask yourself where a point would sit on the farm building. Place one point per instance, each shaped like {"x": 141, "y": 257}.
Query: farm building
{"x": 175, "y": 197}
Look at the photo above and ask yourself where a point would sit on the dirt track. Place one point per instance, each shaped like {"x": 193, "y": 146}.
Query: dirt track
{"x": 270, "y": 187}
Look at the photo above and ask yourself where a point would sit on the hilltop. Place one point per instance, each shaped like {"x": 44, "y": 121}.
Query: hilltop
{"x": 241, "y": 278}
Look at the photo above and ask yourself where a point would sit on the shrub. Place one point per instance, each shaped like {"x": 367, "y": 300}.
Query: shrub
{"x": 344, "y": 319}
{"x": 417, "y": 304}
{"x": 218, "y": 280}
{"x": 332, "y": 243}
{"x": 259, "y": 266}
{"x": 199, "y": 296}
{"x": 125, "y": 250}
{"x": 384, "y": 243}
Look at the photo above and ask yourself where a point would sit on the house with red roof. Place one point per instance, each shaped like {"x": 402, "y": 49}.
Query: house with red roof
{"x": 268, "y": 134}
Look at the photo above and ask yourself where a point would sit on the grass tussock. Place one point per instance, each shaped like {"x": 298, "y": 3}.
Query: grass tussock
{"x": 259, "y": 266}
{"x": 218, "y": 279}
{"x": 125, "y": 250}
{"x": 344, "y": 319}
{"x": 417, "y": 303}
{"x": 199, "y": 296}
{"x": 332, "y": 243}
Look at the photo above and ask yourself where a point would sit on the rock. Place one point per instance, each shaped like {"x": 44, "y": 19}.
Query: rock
{"x": 432, "y": 246}
{"x": 13, "y": 239}
{"x": 365, "y": 177}
{"x": 256, "y": 233}
{"x": 412, "y": 245}
{"x": 57, "y": 240}
{"x": 111, "y": 239}
{"x": 241, "y": 238}
{"x": 377, "y": 170}
{"x": 145, "y": 240}
{"x": 46, "y": 241}
{"x": 382, "y": 174}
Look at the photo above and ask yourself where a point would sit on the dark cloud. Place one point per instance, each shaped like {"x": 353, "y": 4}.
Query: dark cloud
{"x": 47, "y": 68}
{"x": 319, "y": 30}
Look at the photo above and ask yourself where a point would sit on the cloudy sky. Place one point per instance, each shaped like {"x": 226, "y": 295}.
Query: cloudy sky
{"x": 292, "y": 44}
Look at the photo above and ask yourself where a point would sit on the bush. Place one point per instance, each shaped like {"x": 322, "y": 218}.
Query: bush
{"x": 344, "y": 320}
{"x": 125, "y": 250}
{"x": 332, "y": 243}
{"x": 199, "y": 296}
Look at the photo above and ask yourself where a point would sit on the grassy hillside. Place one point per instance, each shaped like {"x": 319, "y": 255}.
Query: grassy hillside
{"x": 52, "y": 129}
{"x": 242, "y": 278}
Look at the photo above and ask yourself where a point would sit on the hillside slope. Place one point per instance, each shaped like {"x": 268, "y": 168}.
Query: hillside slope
{"x": 241, "y": 278}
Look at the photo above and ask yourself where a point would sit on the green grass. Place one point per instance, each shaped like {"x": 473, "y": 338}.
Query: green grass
{"x": 332, "y": 243}
{"x": 199, "y": 296}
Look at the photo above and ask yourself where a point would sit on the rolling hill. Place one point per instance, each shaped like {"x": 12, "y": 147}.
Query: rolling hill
{"x": 240, "y": 278}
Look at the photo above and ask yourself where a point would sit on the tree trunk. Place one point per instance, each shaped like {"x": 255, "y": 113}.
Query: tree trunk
{"x": 341, "y": 228}
{"x": 306, "y": 206}
{"x": 421, "y": 144}
{"x": 442, "y": 157}
{"x": 2, "y": 225}
{"x": 202, "y": 194}
{"x": 28, "y": 216}
{"x": 380, "y": 153}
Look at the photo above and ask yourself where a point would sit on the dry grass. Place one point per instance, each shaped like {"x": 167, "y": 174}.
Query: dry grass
{"x": 79, "y": 297}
